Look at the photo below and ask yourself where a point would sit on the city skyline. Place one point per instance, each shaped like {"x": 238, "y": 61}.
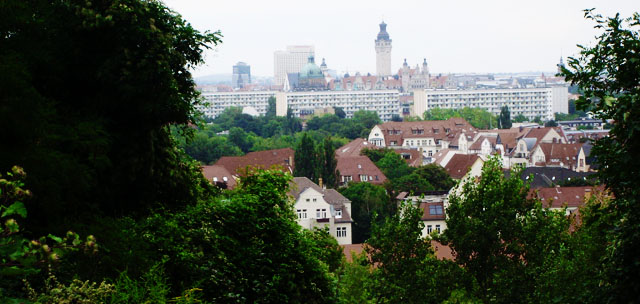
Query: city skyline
{"x": 461, "y": 37}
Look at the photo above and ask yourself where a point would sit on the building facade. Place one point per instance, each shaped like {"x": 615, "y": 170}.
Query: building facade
{"x": 290, "y": 61}
{"x": 383, "y": 52}
{"x": 216, "y": 102}
{"x": 384, "y": 102}
{"x": 530, "y": 102}
{"x": 241, "y": 75}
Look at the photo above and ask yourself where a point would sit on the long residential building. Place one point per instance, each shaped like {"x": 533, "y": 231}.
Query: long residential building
{"x": 385, "y": 102}
{"x": 530, "y": 102}
{"x": 216, "y": 102}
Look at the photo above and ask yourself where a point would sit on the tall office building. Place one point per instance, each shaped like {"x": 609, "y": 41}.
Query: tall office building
{"x": 241, "y": 75}
{"x": 383, "y": 52}
{"x": 290, "y": 61}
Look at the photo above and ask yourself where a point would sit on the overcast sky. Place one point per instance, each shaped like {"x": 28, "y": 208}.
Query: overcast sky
{"x": 454, "y": 36}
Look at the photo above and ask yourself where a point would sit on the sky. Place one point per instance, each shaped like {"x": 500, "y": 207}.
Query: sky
{"x": 455, "y": 36}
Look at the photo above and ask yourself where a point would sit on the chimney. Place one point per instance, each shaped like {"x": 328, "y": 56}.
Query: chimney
{"x": 320, "y": 182}
{"x": 290, "y": 160}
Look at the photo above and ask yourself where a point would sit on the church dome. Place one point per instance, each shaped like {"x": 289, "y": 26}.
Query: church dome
{"x": 311, "y": 70}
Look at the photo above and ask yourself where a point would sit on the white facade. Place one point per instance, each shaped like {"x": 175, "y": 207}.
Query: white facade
{"x": 530, "y": 102}
{"x": 313, "y": 211}
{"x": 216, "y": 102}
{"x": 385, "y": 102}
{"x": 290, "y": 61}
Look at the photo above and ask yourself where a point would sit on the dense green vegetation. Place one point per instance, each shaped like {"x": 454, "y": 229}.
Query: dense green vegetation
{"x": 401, "y": 177}
{"x": 96, "y": 101}
{"x": 477, "y": 117}
{"x": 233, "y": 133}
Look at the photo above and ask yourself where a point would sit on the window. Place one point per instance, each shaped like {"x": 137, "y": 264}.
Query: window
{"x": 324, "y": 213}
{"x": 363, "y": 178}
{"x": 438, "y": 228}
{"x": 346, "y": 178}
{"x": 429, "y": 229}
{"x": 308, "y": 200}
{"x": 318, "y": 214}
{"x": 315, "y": 199}
{"x": 303, "y": 214}
{"x": 435, "y": 210}
{"x": 341, "y": 232}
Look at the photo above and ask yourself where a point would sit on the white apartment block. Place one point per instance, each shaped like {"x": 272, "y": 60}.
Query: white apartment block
{"x": 530, "y": 102}
{"x": 216, "y": 102}
{"x": 290, "y": 61}
{"x": 385, "y": 102}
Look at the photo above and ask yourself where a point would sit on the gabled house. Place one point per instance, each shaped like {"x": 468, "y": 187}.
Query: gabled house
{"x": 462, "y": 166}
{"x": 556, "y": 198}
{"x": 430, "y": 136}
{"x": 570, "y": 156}
{"x": 483, "y": 145}
{"x": 317, "y": 207}
{"x": 359, "y": 169}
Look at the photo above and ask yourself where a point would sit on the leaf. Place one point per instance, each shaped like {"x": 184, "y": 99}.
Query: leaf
{"x": 16, "y": 208}
{"x": 55, "y": 238}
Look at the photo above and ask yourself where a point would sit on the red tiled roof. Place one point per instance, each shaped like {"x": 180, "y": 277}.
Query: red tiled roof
{"x": 557, "y": 197}
{"x": 415, "y": 157}
{"x": 477, "y": 145}
{"x": 355, "y": 166}
{"x": 262, "y": 159}
{"x": 354, "y": 147}
{"x": 436, "y": 129}
{"x": 459, "y": 165}
{"x": 219, "y": 173}
{"x": 556, "y": 153}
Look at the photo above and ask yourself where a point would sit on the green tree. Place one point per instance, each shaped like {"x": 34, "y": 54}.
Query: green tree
{"x": 551, "y": 123}
{"x": 406, "y": 269}
{"x": 366, "y": 200}
{"x": 271, "y": 107}
{"x": 244, "y": 247}
{"x": 504, "y": 119}
{"x": 306, "y": 159}
{"x": 240, "y": 138}
{"x": 520, "y": 118}
{"x": 329, "y": 165}
{"x": 502, "y": 237}
{"x": 90, "y": 91}
{"x": 609, "y": 73}
{"x": 367, "y": 118}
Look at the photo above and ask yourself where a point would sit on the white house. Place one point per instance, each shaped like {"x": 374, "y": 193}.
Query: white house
{"x": 316, "y": 207}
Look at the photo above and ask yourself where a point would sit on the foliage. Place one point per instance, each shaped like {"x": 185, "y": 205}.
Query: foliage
{"x": 477, "y": 117}
{"x": 502, "y": 237}
{"x": 520, "y": 118}
{"x": 608, "y": 74}
{"x": 406, "y": 269}
{"x": 353, "y": 279}
{"x": 366, "y": 200}
{"x": 75, "y": 292}
{"x": 208, "y": 148}
{"x": 404, "y": 178}
{"x": 306, "y": 159}
{"x": 504, "y": 119}
{"x": 357, "y": 126}
{"x": 551, "y": 123}
{"x": 19, "y": 256}
{"x": 151, "y": 288}
{"x": 329, "y": 165}
{"x": 243, "y": 247}
{"x": 90, "y": 90}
